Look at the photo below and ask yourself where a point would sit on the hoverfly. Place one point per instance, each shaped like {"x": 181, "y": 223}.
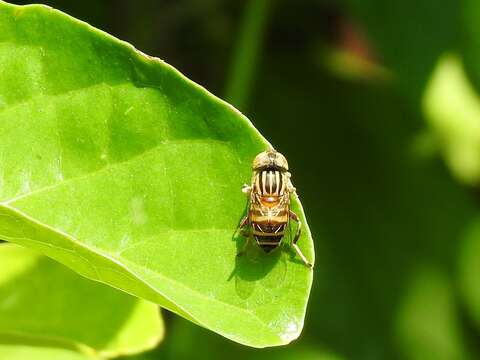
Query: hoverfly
{"x": 269, "y": 211}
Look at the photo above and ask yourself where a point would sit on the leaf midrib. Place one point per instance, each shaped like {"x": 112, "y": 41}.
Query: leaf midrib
{"x": 121, "y": 263}
{"x": 110, "y": 166}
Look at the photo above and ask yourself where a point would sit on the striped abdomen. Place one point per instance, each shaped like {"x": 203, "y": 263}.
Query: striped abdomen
{"x": 269, "y": 208}
{"x": 268, "y": 236}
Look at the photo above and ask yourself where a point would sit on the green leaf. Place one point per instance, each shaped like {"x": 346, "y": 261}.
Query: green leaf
{"x": 453, "y": 108}
{"x": 23, "y": 352}
{"x": 470, "y": 44}
{"x": 116, "y": 165}
{"x": 469, "y": 271}
{"x": 428, "y": 324}
{"x": 409, "y": 36}
{"x": 42, "y": 302}
{"x": 186, "y": 341}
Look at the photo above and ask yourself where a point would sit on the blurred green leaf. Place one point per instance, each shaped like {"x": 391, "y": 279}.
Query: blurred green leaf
{"x": 186, "y": 341}
{"x": 408, "y": 35}
{"x": 247, "y": 52}
{"x": 42, "y": 302}
{"x": 23, "y": 352}
{"x": 452, "y": 108}
{"x": 116, "y": 165}
{"x": 469, "y": 41}
{"x": 349, "y": 66}
{"x": 469, "y": 270}
{"x": 427, "y": 321}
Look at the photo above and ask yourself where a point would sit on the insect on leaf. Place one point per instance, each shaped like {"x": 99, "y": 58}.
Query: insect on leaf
{"x": 116, "y": 165}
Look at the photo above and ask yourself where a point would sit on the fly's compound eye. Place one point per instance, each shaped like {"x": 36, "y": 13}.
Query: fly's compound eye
{"x": 270, "y": 159}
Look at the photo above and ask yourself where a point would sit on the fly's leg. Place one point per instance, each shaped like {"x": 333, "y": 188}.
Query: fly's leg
{"x": 294, "y": 217}
{"x": 243, "y": 225}
{"x": 246, "y": 189}
{"x": 244, "y": 247}
{"x": 291, "y": 189}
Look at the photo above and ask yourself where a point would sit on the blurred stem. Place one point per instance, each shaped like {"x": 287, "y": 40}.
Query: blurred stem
{"x": 246, "y": 53}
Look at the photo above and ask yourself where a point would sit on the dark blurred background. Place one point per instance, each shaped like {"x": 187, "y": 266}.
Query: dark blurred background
{"x": 385, "y": 158}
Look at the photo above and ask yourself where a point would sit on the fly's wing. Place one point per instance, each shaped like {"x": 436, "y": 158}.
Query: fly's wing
{"x": 248, "y": 190}
{"x": 255, "y": 194}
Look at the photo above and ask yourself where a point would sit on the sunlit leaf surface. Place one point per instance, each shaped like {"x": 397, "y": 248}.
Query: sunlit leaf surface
{"x": 44, "y": 303}
{"x": 22, "y": 352}
{"x": 116, "y": 165}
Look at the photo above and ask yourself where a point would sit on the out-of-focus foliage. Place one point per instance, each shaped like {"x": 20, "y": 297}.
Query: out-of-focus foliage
{"x": 469, "y": 39}
{"x": 408, "y": 35}
{"x": 469, "y": 271}
{"x": 44, "y": 303}
{"x": 453, "y": 111}
{"x": 428, "y": 326}
{"x": 382, "y": 210}
{"x": 384, "y": 157}
{"x": 24, "y": 352}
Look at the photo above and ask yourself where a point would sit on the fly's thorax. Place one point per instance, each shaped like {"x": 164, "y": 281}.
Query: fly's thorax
{"x": 270, "y": 182}
{"x": 270, "y": 198}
